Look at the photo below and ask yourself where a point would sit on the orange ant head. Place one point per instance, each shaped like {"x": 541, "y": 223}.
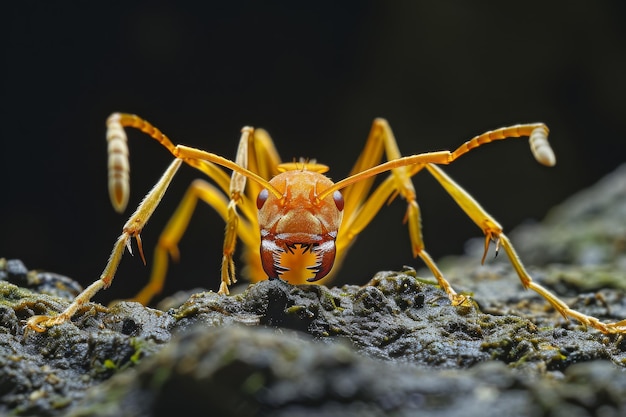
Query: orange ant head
{"x": 298, "y": 229}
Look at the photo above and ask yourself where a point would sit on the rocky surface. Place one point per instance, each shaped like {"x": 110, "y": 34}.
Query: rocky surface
{"x": 392, "y": 347}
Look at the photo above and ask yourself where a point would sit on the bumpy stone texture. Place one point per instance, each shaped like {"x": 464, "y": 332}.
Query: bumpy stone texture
{"x": 393, "y": 347}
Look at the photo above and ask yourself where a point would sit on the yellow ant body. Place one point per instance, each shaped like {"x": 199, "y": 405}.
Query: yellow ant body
{"x": 294, "y": 222}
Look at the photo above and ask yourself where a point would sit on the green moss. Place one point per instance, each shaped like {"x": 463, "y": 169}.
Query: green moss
{"x": 254, "y": 383}
{"x": 109, "y": 364}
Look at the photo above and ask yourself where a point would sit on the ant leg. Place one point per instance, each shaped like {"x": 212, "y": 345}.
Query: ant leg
{"x": 360, "y": 208}
{"x": 167, "y": 246}
{"x": 131, "y": 229}
{"x": 493, "y": 231}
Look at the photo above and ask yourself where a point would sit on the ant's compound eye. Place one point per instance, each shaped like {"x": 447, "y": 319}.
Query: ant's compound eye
{"x": 262, "y": 198}
{"x": 338, "y": 200}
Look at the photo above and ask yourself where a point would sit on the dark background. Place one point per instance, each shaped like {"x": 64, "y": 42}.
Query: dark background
{"x": 315, "y": 76}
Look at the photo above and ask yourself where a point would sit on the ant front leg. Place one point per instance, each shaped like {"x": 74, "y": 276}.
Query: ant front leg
{"x": 131, "y": 229}
{"x": 237, "y": 194}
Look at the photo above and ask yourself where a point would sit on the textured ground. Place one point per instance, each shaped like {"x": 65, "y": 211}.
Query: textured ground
{"x": 389, "y": 348}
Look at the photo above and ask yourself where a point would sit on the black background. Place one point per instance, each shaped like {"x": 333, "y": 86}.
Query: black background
{"x": 315, "y": 75}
